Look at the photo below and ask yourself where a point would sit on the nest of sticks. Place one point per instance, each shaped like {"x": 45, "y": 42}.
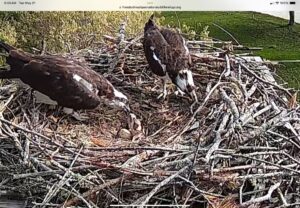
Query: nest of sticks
{"x": 238, "y": 149}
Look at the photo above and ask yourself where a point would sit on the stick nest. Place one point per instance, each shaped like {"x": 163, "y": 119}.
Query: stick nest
{"x": 240, "y": 147}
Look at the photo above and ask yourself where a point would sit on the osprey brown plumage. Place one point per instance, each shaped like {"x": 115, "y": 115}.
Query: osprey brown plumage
{"x": 70, "y": 83}
{"x": 168, "y": 56}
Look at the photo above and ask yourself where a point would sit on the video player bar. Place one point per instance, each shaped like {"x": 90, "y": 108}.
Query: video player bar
{"x": 148, "y": 5}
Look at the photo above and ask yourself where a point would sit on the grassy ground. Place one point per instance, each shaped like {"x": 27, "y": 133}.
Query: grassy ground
{"x": 279, "y": 41}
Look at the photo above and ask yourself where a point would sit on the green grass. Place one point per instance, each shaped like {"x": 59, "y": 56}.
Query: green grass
{"x": 278, "y": 40}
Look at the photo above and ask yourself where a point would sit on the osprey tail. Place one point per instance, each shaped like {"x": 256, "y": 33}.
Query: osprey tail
{"x": 16, "y": 60}
{"x": 5, "y": 46}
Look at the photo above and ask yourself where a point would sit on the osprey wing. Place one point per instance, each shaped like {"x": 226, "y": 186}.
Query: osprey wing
{"x": 70, "y": 85}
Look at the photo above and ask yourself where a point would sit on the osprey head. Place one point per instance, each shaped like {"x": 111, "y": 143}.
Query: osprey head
{"x": 185, "y": 82}
{"x": 119, "y": 100}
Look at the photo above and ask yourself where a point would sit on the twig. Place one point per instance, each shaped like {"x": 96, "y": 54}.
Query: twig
{"x": 145, "y": 199}
{"x": 227, "y": 73}
{"x": 187, "y": 125}
{"x": 55, "y": 188}
{"x": 154, "y": 148}
{"x": 29, "y": 131}
{"x": 263, "y": 198}
{"x": 235, "y": 40}
{"x": 270, "y": 163}
{"x": 264, "y": 81}
{"x": 198, "y": 190}
{"x": 49, "y": 172}
{"x": 231, "y": 104}
{"x": 109, "y": 183}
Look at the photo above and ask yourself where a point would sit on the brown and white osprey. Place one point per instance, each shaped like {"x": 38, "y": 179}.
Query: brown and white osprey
{"x": 67, "y": 82}
{"x": 168, "y": 56}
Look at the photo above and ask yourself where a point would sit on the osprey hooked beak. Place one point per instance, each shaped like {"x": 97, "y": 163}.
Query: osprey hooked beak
{"x": 127, "y": 108}
{"x": 120, "y": 100}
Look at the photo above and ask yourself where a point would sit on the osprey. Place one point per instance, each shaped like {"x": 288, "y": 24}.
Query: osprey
{"x": 168, "y": 56}
{"x": 69, "y": 83}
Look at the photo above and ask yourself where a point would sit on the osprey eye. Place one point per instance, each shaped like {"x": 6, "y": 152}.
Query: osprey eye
{"x": 123, "y": 100}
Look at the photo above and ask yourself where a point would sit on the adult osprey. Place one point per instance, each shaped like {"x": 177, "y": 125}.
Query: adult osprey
{"x": 68, "y": 82}
{"x": 168, "y": 56}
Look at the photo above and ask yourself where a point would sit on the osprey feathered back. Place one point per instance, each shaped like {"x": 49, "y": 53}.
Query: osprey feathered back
{"x": 168, "y": 56}
{"x": 69, "y": 82}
